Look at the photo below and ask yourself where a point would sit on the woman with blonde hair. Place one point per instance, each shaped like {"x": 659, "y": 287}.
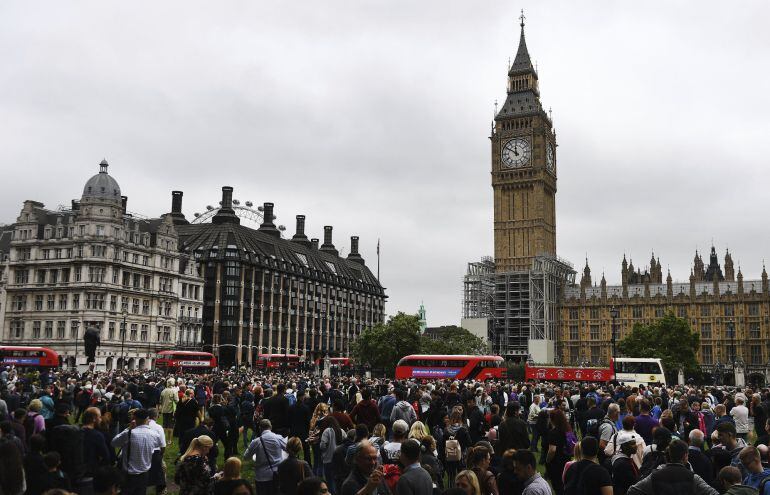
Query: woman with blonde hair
{"x": 319, "y": 413}
{"x": 418, "y": 431}
{"x": 378, "y": 436}
{"x": 229, "y": 478}
{"x": 468, "y": 482}
{"x": 193, "y": 474}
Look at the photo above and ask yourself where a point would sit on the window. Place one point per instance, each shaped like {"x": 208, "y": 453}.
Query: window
{"x": 754, "y": 309}
{"x": 51, "y": 302}
{"x": 681, "y": 311}
{"x": 78, "y": 273}
{"x": 40, "y": 276}
{"x": 756, "y": 354}
{"x": 98, "y": 250}
{"x": 54, "y": 277}
{"x": 594, "y": 332}
{"x": 49, "y": 329}
{"x": 39, "y": 302}
{"x": 705, "y": 330}
{"x": 594, "y": 313}
{"x": 65, "y": 275}
{"x": 659, "y": 310}
{"x": 100, "y": 230}
{"x": 135, "y": 306}
{"x": 705, "y": 310}
{"x": 113, "y": 303}
{"x": 573, "y": 332}
{"x": 74, "y": 327}
{"x": 124, "y": 304}
{"x": 60, "y": 327}
{"x": 21, "y": 276}
{"x": 707, "y": 354}
{"x": 729, "y": 310}
{"x": 145, "y": 307}
{"x": 111, "y": 331}
{"x": 637, "y": 312}
{"x": 36, "y": 329}
{"x": 75, "y": 301}
{"x": 63, "y": 301}
{"x": 143, "y": 335}
{"x": 133, "y": 331}
{"x": 754, "y": 330}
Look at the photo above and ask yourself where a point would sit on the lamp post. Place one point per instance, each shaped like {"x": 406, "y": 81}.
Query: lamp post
{"x": 613, "y": 314}
{"x": 123, "y": 341}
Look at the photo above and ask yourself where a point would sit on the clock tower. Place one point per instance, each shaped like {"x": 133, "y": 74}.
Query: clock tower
{"x": 523, "y": 171}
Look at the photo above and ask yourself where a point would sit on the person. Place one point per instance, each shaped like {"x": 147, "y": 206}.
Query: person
{"x": 55, "y": 477}
{"x": 418, "y": 431}
{"x": 222, "y": 424}
{"x": 414, "y": 479}
{"x": 430, "y": 462}
{"x": 107, "y": 480}
{"x": 729, "y": 478}
{"x": 478, "y": 461}
{"x": 731, "y": 446}
{"x": 312, "y": 486}
{"x": 607, "y": 429}
{"x": 193, "y": 474}
{"x": 586, "y": 475}
{"x": 392, "y": 449}
{"x": 34, "y": 422}
{"x": 331, "y": 436}
{"x": 526, "y": 471}
{"x": 456, "y": 430}
{"x": 627, "y": 431}
{"x": 402, "y": 410}
{"x": 699, "y": 461}
{"x": 558, "y": 454}
{"x": 300, "y": 422}
{"x": 268, "y": 451}
{"x": 625, "y": 471}
{"x": 674, "y": 477}
{"x": 34, "y": 467}
{"x": 757, "y": 475}
{"x": 292, "y": 470}
{"x": 467, "y": 482}
{"x": 366, "y": 410}
{"x": 205, "y": 428}
{"x": 365, "y": 477}
{"x": 512, "y": 432}
{"x": 655, "y": 453}
{"x": 95, "y": 450}
{"x": 11, "y": 470}
{"x": 276, "y": 409}
{"x": 338, "y": 411}
{"x": 507, "y": 481}
{"x": 169, "y": 399}
{"x": 740, "y": 414}
{"x": 187, "y": 412}
{"x": 314, "y": 439}
{"x": 157, "y": 473}
{"x": 137, "y": 442}
{"x": 7, "y": 434}
{"x": 226, "y": 481}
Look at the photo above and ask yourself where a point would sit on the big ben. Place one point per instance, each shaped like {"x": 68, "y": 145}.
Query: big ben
{"x": 523, "y": 170}
{"x": 529, "y": 277}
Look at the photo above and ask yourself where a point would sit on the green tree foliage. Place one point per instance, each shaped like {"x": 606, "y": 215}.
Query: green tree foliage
{"x": 454, "y": 340}
{"x": 670, "y": 339}
{"x": 382, "y": 345}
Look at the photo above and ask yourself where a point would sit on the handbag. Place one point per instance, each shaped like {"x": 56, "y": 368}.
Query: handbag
{"x": 269, "y": 462}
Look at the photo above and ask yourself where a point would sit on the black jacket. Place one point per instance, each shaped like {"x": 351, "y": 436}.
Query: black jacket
{"x": 188, "y": 436}
{"x": 512, "y": 434}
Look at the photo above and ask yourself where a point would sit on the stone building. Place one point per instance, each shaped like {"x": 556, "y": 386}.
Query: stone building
{"x": 94, "y": 264}
{"x": 264, "y": 294}
{"x": 732, "y": 315}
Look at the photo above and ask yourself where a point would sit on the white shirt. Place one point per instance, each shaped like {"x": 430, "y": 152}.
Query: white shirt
{"x": 741, "y": 416}
{"x": 155, "y": 426}
{"x": 144, "y": 441}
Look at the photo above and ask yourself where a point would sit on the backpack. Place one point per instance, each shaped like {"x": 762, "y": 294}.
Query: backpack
{"x": 592, "y": 428}
{"x": 569, "y": 446}
{"x": 453, "y": 451}
{"x": 291, "y": 398}
{"x": 761, "y": 487}
{"x": 650, "y": 463}
{"x": 574, "y": 484}
{"x": 29, "y": 425}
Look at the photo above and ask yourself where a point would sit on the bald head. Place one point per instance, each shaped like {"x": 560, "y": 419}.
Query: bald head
{"x": 696, "y": 438}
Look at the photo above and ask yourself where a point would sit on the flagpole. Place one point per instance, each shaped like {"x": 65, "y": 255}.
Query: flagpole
{"x": 378, "y": 259}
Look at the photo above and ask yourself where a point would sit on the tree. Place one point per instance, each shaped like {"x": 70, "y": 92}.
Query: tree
{"x": 670, "y": 339}
{"x": 382, "y": 345}
{"x": 454, "y": 340}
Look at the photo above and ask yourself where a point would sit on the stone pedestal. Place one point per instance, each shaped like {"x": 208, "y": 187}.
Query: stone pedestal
{"x": 740, "y": 376}
{"x": 680, "y": 377}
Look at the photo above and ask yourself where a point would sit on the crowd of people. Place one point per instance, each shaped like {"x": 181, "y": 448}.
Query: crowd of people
{"x": 108, "y": 432}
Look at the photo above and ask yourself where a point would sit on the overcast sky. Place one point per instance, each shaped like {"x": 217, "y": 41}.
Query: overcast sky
{"x": 374, "y": 117}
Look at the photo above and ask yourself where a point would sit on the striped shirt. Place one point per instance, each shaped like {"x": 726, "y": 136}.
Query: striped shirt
{"x": 144, "y": 440}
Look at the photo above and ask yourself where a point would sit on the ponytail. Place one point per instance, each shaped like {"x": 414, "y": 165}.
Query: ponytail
{"x": 201, "y": 441}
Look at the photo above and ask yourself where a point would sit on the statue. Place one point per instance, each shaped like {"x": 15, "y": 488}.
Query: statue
{"x": 91, "y": 342}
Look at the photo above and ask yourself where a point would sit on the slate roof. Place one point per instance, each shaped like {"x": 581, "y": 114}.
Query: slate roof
{"x": 233, "y": 241}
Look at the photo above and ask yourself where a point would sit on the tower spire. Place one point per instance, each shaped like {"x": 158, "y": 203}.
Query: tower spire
{"x": 522, "y": 62}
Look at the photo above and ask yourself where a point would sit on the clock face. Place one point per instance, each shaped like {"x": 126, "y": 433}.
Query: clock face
{"x": 516, "y": 153}
{"x": 549, "y": 157}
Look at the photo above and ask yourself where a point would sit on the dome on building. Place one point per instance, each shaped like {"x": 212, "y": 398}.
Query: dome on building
{"x": 102, "y": 185}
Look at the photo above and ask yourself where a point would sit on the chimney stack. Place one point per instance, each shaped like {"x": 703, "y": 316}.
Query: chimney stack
{"x": 176, "y": 209}
{"x": 123, "y": 202}
{"x": 300, "y": 237}
{"x": 267, "y": 226}
{"x": 328, "y": 246}
{"x": 226, "y": 214}
{"x": 354, "y": 255}
{"x": 314, "y": 243}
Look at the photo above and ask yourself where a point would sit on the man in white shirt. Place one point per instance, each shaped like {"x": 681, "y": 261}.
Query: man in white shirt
{"x": 137, "y": 443}
{"x": 157, "y": 475}
{"x": 740, "y": 414}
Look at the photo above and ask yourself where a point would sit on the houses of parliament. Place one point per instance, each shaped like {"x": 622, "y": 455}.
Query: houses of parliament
{"x": 528, "y": 298}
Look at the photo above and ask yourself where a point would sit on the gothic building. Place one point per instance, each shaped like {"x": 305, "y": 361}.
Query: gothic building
{"x": 94, "y": 264}
{"x": 732, "y": 315}
{"x": 528, "y": 275}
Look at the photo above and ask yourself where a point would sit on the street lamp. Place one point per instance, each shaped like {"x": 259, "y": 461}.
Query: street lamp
{"x": 613, "y": 314}
{"x": 123, "y": 341}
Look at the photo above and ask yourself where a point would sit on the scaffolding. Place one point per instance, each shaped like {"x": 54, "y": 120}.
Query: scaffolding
{"x": 479, "y": 288}
{"x": 526, "y": 306}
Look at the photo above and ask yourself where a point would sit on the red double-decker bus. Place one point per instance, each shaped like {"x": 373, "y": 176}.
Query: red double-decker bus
{"x": 455, "y": 367}
{"x": 185, "y": 359}
{"x": 265, "y": 361}
{"x": 22, "y": 356}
